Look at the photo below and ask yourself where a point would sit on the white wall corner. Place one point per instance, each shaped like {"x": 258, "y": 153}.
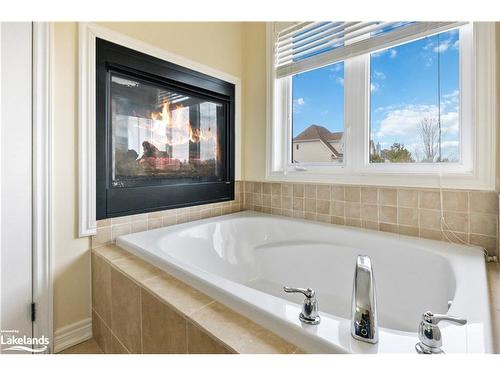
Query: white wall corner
{"x": 72, "y": 335}
{"x": 42, "y": 180}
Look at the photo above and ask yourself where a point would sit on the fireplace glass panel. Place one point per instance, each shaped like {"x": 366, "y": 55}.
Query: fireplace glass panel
{"x": 162, "y": 135}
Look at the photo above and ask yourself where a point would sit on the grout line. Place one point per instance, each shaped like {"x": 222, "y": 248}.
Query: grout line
{"x": 199, "y": 309}
{"x": 217, "y": 339}
{"x": 100, "y": 317}
{"x": 119, "y": 341}
{"x": 141, "y": 321}
{"x": 187, "y": 335}
{"x": 110, "y": 331}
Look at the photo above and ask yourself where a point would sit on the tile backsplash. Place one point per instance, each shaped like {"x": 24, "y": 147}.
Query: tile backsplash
{"x": 470, "y": 216}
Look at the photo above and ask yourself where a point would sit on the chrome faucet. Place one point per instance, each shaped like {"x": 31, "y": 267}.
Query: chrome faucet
{"x": 364, "y": 323}
{"x": 429, "y": 333}
{"x": 309, "y": 314}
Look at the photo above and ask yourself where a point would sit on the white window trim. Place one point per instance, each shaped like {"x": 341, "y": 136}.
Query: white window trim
{"x": 478, "y": 89}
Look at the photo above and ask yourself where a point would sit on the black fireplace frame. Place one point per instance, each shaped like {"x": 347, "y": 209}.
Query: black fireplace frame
{"x": 120, "y": 201}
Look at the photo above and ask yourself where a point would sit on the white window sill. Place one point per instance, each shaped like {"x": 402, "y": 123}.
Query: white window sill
{"x": 424, "y": 180}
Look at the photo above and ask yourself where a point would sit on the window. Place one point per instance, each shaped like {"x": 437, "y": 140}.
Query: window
{"x": 382, "y": 102}
{"x": 414, "y": 101}
{"x": 318, "y": 115}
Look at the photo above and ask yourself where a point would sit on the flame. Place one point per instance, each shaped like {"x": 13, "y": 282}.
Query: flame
{"x": 194, "y": 135}
{"x": 178, "y": 129}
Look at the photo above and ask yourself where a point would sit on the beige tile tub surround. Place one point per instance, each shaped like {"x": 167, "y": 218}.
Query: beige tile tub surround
{"x": 137, "y": 308}
{"x": 109, "y": 229}
{"x": 471, "y": 216}
{"x": 494, "y": 285}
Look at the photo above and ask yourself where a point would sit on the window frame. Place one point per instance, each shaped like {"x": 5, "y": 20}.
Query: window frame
{"x": 477, "y": 106}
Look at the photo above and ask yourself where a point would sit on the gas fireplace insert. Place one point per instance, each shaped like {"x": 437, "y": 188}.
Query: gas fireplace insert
{"x": 164, "y": 134}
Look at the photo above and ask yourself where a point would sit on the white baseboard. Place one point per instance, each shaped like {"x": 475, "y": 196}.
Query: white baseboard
{"x": 72, "y": 334}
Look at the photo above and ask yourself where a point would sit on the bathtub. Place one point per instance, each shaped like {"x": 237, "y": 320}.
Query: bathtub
{"x": 244, "y": 259}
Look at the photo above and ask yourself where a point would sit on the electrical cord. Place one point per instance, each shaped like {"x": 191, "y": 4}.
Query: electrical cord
{"x": 446, "y": 230}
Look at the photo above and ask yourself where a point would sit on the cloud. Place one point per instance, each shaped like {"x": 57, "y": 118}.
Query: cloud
{"x": 443, "y": 46}
{"x": 450, "y": 101}
{"x": 378, "y": 53}
{"x": 429, "y": 45}
{"x": 385, "y": 108}
{"x": 428, "y": 61}
{"x": 401, "y": 124}
{"x": 450, "y": 144}
{"x": 453, "y": 94}
{"x": 374, "y": 86}
{"x": 297, "y": 104}
{"x": 404, "y": 120}
{"x": 392, "y": 53}
{"x": 449, "y": 123}
{"x": 378, "y": 75}
{"x": 300, "y": 101}
{"x": 335, "y": 68}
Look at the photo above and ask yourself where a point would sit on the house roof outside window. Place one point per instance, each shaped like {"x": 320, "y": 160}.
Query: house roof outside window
{"x": 322, "y": 134}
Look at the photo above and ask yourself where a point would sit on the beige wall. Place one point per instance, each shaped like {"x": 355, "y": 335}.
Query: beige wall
{"x": 218, "y": 45}
{"x": 254, "y": 130}
{"x": 71, "y": 254}
{"x": 497, "y": 32}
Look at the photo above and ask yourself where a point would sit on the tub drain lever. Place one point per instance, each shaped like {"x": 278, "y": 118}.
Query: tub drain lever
{"x": 309, "y": 314}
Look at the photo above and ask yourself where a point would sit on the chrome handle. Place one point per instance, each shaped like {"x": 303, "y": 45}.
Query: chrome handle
{"x": 432, "y": 318}
{"x": 429, "y": 332}
{"x": 309, "y": 293}
{"x": 309, "y": 314}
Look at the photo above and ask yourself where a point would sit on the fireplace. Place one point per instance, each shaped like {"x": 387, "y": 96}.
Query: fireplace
{"x": 164, "y": 134}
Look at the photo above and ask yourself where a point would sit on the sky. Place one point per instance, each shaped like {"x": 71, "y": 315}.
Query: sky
{"x": 404, "y": 89}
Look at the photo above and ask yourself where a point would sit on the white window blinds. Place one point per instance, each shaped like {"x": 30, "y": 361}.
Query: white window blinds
{"x": 307, "y": 45}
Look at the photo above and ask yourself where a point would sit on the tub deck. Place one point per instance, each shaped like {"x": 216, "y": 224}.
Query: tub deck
{"x": 242, "y": 260}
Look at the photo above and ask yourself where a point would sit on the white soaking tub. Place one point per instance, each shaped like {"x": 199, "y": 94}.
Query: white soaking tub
{"x": 244, "y": 260}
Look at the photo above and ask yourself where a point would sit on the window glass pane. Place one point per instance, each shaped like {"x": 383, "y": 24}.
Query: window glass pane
{"x": 160, "y": 135}
{"x": 414, "y": 114}
{"x": 318, "y": 115}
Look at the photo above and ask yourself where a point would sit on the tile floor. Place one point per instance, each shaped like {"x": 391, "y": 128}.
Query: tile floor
{"x": 86, "y": 347}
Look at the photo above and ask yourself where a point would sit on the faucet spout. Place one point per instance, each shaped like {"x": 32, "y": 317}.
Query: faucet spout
{"x": 364, "y": 323}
